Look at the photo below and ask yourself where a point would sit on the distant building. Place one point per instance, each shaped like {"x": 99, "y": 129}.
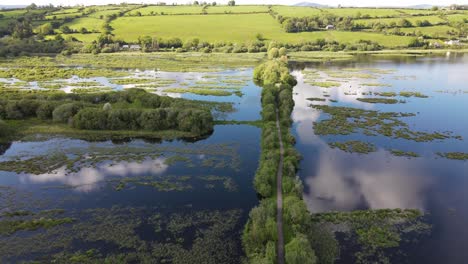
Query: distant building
{"x": 452, "y": 42}
{"x": 135, "y": 47}
{"x": 436, "y": 45}
{"x": 330, "y": 27}
{"x": 125, "y": 47}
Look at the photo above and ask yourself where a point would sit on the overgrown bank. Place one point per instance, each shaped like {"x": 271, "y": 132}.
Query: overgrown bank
{"x": 373, "y": 235}
{"x": 261, "y": 233}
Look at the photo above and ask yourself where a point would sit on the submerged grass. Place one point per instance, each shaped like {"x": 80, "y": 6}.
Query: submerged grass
{"x": 354, "y": 146}
{"x": 379, "y": 100}
{"x": 348, "y": 120}
{"x": 325, "y": 84}
{"x": 401, "y": 153}
{"x": 454, "y": 155}
{"x": 413, "y": 94}
{"x": 199, "y": 91}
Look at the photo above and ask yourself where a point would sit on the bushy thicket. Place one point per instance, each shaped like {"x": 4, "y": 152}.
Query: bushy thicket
{"x": 135, "y": 110}
{"x": 16, "y": 47}
{"x": 260, "y": 234}
{"x": 189, "y": 120}
{"x": 4, "y": 129}
{"x": 273, "y": 72}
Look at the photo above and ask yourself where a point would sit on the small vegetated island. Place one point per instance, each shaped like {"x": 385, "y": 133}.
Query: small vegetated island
{"x": 132, "y": 112}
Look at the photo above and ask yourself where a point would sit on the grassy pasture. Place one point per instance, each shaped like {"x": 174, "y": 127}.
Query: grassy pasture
{"x": 66, "y": 11}
{"x": 170, "y": 10}
{"x": 237, "y": 9}
{"x": 9, "y": 15}
{"x": 372, "y": 12}
{"x": 215, "y": 28}
{"x": 12, "y": 13}
{"x": 64, "y": 15}
{"x": 434, "y": 31}
{"x": 233, "y": 28}
{"x": 297, "y": 11}
{"x": 90, "y": 23}
{"x": 416, "y": 12}
{"x": 431, "y": 19}
{"x": 104, "y": 13}
{"x": 457, "y": 17}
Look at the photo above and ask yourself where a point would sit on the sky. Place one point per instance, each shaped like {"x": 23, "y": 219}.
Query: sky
{"x": 244, "y": 2}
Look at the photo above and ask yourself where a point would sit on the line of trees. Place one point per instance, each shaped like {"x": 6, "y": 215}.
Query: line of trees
{"x": 260, "y": 233}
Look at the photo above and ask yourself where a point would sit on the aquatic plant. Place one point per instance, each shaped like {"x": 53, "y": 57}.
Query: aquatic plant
{"x": 379, "y": 100}
{"x": 348, "y": 120}
{"x": 354, "y": 146}
{"x": 325, "y": 84}
{"x": 454, "y": 155}
{"x": 316, "y": 99}
{"x": 401, "y": 153}
{"x": 413, "y": 94}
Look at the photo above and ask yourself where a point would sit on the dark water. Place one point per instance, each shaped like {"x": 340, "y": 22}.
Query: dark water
{"x": 163, "y": 200}
{"x": 335, "y": 180}
{"x": 90, "y": 191}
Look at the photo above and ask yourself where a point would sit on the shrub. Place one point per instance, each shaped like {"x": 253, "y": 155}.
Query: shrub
{"x": 13, "y": 110}
{"x": 65, "y": 112}
{"x": 45, "y": 110}
{"x": 282, "y": 51}
{"x": 153, "y": 119}
{"x": 91, "y": 118}
{"x": 122, "y": 119}
{"x": 195, "y": 121}
{"x": 4, "y": 129}
{"x": 273, "y": 53}
{"x": 298, "y": 251}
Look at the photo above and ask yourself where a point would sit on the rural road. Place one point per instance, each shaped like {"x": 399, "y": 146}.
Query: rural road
{"x": 279, "y": 196}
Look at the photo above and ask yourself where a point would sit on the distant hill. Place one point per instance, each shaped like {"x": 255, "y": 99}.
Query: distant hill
{"x": 424, "y": 6}
{"x": 12, "y": 6}
{"x": 309, "y": 4}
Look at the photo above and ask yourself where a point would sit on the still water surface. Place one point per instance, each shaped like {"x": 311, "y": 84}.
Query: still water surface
{"x": 339, "y": 181}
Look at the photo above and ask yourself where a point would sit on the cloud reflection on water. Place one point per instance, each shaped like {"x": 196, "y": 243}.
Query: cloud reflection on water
{"x": 88, "y": 179}
{"x": 334, "y": 180}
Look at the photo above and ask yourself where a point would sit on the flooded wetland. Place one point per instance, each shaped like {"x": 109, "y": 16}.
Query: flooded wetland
{"x": 384, "y": 165}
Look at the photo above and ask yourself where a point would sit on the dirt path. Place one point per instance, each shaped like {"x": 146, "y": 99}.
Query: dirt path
{"x": 279, "y": 196}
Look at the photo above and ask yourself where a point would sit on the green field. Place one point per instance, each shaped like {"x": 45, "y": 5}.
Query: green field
{"x": 171, "y": 10}
{"x": 232, "y": 28}
{"x": 242, "y": 24}
{"x": 296, "y": 11}
{"x": 104, "y": 13}
{"x": 237, "y": 9}
{"x": 10, "y": 15}
{"x": 90, "y": 23}
{"x": 66, "y": 11}
{"x": 372, "y": 12}
{"x": 434, "y": 31}
{"x": 64, "y": 15}
{"x": 432, "y": 19}
{"x": 458, "y": 17}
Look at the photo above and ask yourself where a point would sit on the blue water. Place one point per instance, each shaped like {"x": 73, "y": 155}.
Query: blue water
{"x": 335, "y": 180}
